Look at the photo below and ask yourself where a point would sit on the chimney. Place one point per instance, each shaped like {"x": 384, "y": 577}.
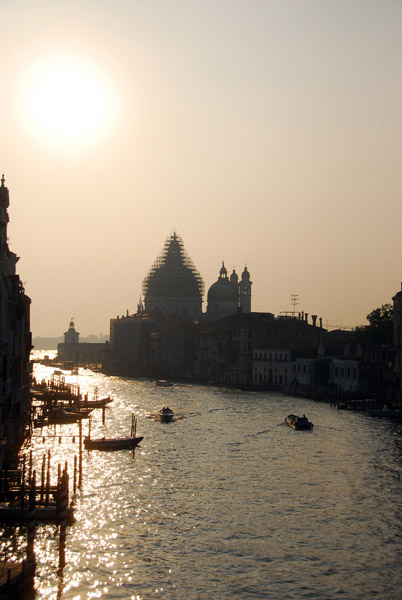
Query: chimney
{"x": 321, "y": 322}
{"x": 306, "y": 317}
{"x": 314, "y": 319}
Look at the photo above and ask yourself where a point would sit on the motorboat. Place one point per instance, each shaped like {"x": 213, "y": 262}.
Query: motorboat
{"x": 299, "y": 423}
{"x": 166, "y": 414}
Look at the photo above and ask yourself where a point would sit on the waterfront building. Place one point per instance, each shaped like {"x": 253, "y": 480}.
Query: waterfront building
{"x": 15, "y": 343}
{"x": 344, "y": 375}
{"x": 376, "y": 373}
{"x": 271, "y": 367}
{"x": 151, "y": 344}
{"x": 397, "y": 340}
{"x": 73, "y": 351}
{"x": 226, "y": 350}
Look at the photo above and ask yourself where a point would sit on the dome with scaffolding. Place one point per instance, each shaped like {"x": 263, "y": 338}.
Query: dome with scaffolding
{"x": 173, "y": 284}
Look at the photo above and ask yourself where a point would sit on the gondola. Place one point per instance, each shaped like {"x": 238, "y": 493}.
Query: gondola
{"x": 114, "y": 443}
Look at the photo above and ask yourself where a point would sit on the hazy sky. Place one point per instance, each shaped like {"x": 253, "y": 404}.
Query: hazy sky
{"x": 266, "y": 132}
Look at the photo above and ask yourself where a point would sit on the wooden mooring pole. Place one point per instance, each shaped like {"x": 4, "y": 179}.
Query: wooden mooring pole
{"x": 80, "y": 455}
{"x": 31, "y": 519}
{"x": 63, "y": 501}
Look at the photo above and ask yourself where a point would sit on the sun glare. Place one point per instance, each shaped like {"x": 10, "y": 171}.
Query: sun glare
{"x": 67, "y": 101}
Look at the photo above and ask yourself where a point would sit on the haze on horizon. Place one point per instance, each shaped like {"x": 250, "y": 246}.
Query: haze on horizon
{"x": 267, "y": 133}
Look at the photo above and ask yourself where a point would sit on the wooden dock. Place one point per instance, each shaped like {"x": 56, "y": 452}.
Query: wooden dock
{"x": 16, "y": 577}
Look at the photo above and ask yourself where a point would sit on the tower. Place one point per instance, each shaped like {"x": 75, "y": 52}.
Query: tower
{"x": 245, "y": 291}
{"x": 71, "y": 336}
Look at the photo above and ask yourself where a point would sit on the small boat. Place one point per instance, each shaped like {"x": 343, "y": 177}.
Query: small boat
{"x": 385, "y": 411}
{"x": 114, "y": 443}
{"x": 299, "y": 423}
{"x": 163, "y": 383}
{"x": 96, "y": 403}
{"x": 61, "y": 416}
{"x": 166, "y": 414}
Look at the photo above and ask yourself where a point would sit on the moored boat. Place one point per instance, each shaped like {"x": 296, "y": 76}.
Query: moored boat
{"x": 112, "y": 443}
{"x": 299, "y": 423}
{"x": 163, "y": 383}
{"x": 96, "y": 403}
{"x": 386, "y": 412}
{"x": 61, "y": 416}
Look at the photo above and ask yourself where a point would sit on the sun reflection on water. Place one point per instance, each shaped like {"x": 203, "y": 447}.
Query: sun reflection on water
{"x": 198, "y": 510}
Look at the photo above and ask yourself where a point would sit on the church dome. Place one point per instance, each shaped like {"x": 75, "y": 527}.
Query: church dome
{"x": 222, "y": 291}
{"x": 172, "y": 280}
{"x": 173, "y": 284}
{"x": 223, "y": 295}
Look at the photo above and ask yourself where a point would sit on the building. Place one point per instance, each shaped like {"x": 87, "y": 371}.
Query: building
{"x": 397, "y": 341}
{"x": 173, "y": 284}
{"x": 73, "y": 351}
{"x": 272, "y": 368}
{"x": 15, "y": 344}
{"x": 170, "y": 337}
{"x": 231, "y": 350}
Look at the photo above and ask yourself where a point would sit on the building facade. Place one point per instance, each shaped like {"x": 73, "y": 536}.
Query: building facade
{"x": 15, "y": 344}
{"x": 397, "y": 341}
{"x": 73, "y": 351}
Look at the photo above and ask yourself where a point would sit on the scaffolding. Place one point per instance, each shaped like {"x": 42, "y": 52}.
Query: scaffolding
{"x": 174, "y": 257}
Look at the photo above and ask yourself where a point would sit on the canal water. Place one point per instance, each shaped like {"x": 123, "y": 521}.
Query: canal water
{"x": 225, "y": 502}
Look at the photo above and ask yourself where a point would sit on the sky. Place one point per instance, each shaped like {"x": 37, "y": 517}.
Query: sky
{"x": 267, "y": 133}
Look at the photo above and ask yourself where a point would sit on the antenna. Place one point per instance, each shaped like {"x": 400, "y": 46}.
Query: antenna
{"x": 294, "y": 301}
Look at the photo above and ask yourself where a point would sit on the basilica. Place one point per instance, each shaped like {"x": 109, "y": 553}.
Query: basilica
{"x": 170, "y": 336}
{"x": 175, "y": 287}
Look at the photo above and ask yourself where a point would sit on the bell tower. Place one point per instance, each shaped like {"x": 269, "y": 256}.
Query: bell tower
{"x": 245, "y": 291}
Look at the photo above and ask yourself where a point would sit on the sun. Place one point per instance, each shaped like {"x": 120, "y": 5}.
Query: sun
{"x": 67, "y": 101}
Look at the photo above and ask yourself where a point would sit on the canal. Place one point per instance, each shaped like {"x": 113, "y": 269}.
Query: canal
{"x": 226, "y": 501}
